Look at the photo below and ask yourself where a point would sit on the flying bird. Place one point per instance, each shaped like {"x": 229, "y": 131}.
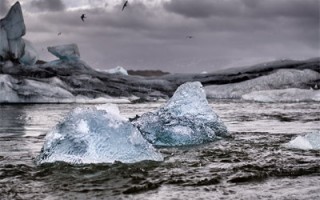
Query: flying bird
{"x": 83, "y": 16}
{"x": 124, "y": 5}
{"x": 59, "y": 33}
{"x": 189, "y": 36}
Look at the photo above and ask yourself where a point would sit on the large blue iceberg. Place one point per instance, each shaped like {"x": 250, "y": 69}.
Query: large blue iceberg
{"x": 186, "y": 119}
{"x": 96, "y": 135}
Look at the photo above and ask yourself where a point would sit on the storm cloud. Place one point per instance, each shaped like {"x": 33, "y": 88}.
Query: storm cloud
{"x": 153, "y": 36}
{"x": 48, "y": 5}
{"x": 244, "y": 8}
{"x": 4, "y": 7}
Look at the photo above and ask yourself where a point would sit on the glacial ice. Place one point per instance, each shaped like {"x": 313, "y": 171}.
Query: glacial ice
{"x": 22, "y": 91}
{"x": 13, "y": 23}
{"x": 16, "y": 47}
{"x": 12, "y": 46}
{"x": 4, "y": 45}
{"x": 53, "y": 90}
{"x": 96, "y": 135}
{"x": 186, "y": 119}
{"x": 30, "y": 54}
{"x": 118, "y": 70}
{"x": 65, "y": 52}
{"x": 284, "y": 95}
{"x": 281, "y": 79}
{"x": 306, "y": 142}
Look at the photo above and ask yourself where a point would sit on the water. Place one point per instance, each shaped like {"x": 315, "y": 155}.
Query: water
{"x": 252, "y": 165}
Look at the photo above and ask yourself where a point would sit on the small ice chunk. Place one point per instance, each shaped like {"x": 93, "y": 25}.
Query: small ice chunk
{"x": 93, "y": 135}
{"x": 307, "y": 142}
{"x": 118, "y": 70}
{"x": 65, "y": 52}
{"x": 186, "y": 119}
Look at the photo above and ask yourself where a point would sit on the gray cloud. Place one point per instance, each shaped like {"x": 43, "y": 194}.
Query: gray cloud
{"x": 225, "y": 33}
{"x": 4, "y": 7}
{"x": 48, "y": 5}
{"x": 202, "y": 8}
{"x": 245, "y": 8}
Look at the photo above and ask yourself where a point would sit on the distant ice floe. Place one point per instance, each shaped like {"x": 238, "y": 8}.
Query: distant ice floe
{"x": 68, "y": 52}
{"x": 285, "y": 95}
{"x": 118, "y": 70}
{"x": 281, "y": 79}
{"x": 310, "y": 141}
{"x": 186, "y": 119}
{"x": 13, "y": 90}
{"x": 96, "y": 135}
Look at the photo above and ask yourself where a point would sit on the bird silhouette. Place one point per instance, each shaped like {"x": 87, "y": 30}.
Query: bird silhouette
{"x": 83, "y": 16}
{"x": 124, "y": 5}
{"x": 59, "y": 33}
{"x": 189, "y": 36}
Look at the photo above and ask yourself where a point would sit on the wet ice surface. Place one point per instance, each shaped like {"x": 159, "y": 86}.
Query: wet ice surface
{"x": 306, "y": 142}
{"x": 96, "y": 135}
{"x": 253, "y": 165}
{"x": 186, "y": 119}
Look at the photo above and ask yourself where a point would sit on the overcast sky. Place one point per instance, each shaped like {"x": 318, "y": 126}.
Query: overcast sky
{"x": 152, "y": 34}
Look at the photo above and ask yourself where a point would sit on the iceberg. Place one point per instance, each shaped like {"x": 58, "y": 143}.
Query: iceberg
{"x": 96, "y": 135}
{"x": 30, "y": 54}
{"x": 186, "y": 119}
{"x": 13, "y": 90}
{"x": 4, "y": 45}
{"x": 281, "y": 79}
{"x": 16, "y": 47}
{"x": 118, "y": 70}
{"x": 310, "y": 141}
{"x": 52, "y": 90}
{"x": 284, "y": 95}
{"x": 13, "y": 23}
{"x": 12, "y": 46}
{"x": 67, "y": 52}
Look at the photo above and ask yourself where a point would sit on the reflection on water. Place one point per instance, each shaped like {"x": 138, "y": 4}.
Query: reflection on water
{"x": 12, "y": 120}
{"x": 21, "y": 127}
{"x": 252, "y": 165}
